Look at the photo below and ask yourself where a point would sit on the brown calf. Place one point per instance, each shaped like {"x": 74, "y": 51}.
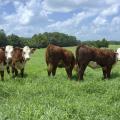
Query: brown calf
{"x": 19, "y": 58}
{"x": 54, "y": 55}
{"x": 103, "y": 57}
{"x": 18, "y": 61}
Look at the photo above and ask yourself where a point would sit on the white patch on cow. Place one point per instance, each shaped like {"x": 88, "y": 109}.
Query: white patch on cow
{"x": 118, "y": 54}
{"x": 8, "y": 52}
{"x": 1, "y": 66}
{"x": 19, "y": 65}
{"x": 26, "y": 52}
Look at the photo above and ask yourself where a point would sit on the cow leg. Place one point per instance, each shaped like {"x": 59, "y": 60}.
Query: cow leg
{"x": 13, "y": 71}
{"x": 69, "y": 72}
{"x": 22, "y": 72}
{"x": 54, "y": 70}
{"x": 16, "y": 72}
{"x": 2, "y": 75}
{"x": 8, "y": 70}
{"x": 49, "y": 70}
{"x": 104, "y": 69}
{"x": 81, "y": 71}
{"x": 109, "y": 71}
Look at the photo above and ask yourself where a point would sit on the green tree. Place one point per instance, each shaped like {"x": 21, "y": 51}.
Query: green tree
{"x": 14, "y": 40}
{"x": 3, "y": 38}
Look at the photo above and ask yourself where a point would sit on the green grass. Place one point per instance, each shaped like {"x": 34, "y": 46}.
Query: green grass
{"x": 39, "y": 97}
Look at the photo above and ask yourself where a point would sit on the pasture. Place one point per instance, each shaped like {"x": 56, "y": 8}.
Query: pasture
{"x": 39, "y": 97}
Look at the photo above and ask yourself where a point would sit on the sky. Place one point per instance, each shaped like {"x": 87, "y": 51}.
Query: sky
{"x": 85, "y": 19}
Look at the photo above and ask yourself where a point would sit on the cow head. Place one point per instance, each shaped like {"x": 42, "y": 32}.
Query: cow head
{"x": 27, "y": 52}
{"x": 118, "y": 54}
{"x": 8, "y": 52}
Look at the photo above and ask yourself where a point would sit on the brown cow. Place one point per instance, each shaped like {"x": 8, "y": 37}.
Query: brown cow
{"x": 55, "y": 55}
{"x": 18, "y": 62}
{"x": 103, "y": 57}
{"x": 19, "y": 58}
{"x": 2, "y": 62}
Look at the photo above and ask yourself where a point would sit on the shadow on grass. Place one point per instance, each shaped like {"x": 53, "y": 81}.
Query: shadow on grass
{"x": 24, "y": 76}
{"x": 18, "y": 78}
{"x": 115, "y": 75}
{"x": 74, "y": 77}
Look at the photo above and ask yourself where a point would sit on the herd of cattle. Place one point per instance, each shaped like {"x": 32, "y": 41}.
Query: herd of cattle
{"x": 16, "y": 58}
{"x": 59, "y": 57}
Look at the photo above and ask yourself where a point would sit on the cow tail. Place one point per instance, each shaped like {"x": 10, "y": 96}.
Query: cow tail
{"x": 77, "y": 54}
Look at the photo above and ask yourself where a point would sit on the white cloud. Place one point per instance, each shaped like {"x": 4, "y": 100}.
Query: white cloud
{"x": 69, "y": 5}
{"x": 112, "y": 10}
{"x": 110, "y": 2}
{"x": 4, "y": 2}
{"x": 99, "y": 21}
{"x": 116, "y": 20}
{"x": 27, "y": 18}
{"x": 115, "y": 24}
{"x": 86, "y": 18}
{"x": 72, "y": 22}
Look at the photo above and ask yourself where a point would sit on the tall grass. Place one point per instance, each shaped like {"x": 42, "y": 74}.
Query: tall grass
{"x": 39, "y": 97}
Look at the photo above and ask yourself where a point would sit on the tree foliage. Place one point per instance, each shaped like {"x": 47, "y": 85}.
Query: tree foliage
{"x": 42, "y": 40}
{"x": 3, "y": 38}
{"x": 98, "y": 43}
{"x": 38, "y": 40}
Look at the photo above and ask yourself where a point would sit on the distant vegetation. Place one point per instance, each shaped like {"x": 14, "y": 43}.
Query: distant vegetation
{"x": 42, "y": 40}
{"x": 38, "y": 40}
{"x": 98, "y": 43}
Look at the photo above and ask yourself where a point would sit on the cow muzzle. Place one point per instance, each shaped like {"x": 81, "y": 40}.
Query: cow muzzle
{"x": 27, "y": 59}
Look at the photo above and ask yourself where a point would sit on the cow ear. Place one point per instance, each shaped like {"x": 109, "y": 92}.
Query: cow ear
{"x": 3, "y": 48}
{"x": 33, "y": 50}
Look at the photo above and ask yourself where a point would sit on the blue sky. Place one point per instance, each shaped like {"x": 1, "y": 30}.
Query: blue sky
{"x": 85, "y": 19}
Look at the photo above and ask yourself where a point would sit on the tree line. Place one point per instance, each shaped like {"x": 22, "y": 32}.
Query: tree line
{"x": 97, "y": 43}
{"x": 42, "y": 40}
{"x": 38, "y": 40}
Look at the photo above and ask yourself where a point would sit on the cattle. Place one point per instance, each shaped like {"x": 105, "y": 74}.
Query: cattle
{"x": 19, "y": 58}
{"x": 54, "y": 55}
{"x": 8, "y": 54}
{"x": 103, "y": 57}
{"x": 2, "y": 62}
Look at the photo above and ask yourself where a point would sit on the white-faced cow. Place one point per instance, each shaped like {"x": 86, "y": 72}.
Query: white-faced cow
{"x": 19, "y": 58}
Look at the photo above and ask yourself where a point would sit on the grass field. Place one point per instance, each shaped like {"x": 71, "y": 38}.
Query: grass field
{"x": 39, "y": 97}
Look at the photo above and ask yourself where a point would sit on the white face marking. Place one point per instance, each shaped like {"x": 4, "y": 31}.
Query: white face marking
{"x": 26, "y": 52}
{"x": 8, "y": 52}
{"x": 118, "y": 54}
